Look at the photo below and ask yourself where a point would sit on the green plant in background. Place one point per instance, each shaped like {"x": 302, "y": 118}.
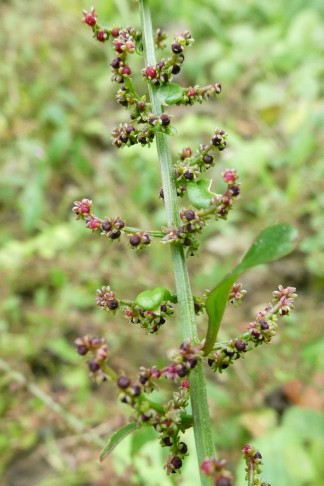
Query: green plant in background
{"x": 151, "y": 309}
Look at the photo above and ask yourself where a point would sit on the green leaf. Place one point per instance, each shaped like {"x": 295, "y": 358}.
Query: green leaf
{"x": 272, "y": 243}
{"x": 170, "y": 93}
{"x": 140, "y": 438}
{"x": 116, "y": 438}
{"x": 151, "y": 300}
{"x": 199, "y": 193}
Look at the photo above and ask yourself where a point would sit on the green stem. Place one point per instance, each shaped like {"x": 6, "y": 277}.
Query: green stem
{"x": 198, "y": 395}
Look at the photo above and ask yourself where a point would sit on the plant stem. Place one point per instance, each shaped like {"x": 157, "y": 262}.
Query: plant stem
{"x": 198, "y": 395}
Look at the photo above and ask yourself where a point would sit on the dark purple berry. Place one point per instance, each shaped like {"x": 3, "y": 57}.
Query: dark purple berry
{"x": 114, "y": 234}
{"x": 167, "y": 441}
{"x": 189, "y": 214}
{"x": 192, "y": 362}
{"x": 240, "y": 346}
{"x": 176, "y": 462}
{"x": 82, "y": 349}
{"x": 235, "y": 190}
{"x": 129, "y": 129}
{"x": 176, "y": 69}
{"x": 123, "y": 382}
{"x": 106, "y": 226}
{"x": 176, "y": 48}
{"x": 182, "y": 447}
{"x": 257, "y": 455}
{"x": 135, "y": 240}
{"x": 255, "y": 333}
{"x": 165, "y": 119}
{"x": 216, "y": 140}
{"x": 143, "y": 379}
{"x": 264, "y": 325}
{"x": 115, "y": 63}
{"x": 112, "y": 304}
{"x": 164, "y": 77}
{"x": 119, "y": 223}
{"x": 161, "y": 321}
{"x": 136, "y": 390}
{"x": 208, "y": 159}
{"x": 93, "y": 366}
{"x": 163, "y": 308}
{"x": 182, "y": 371}
{"x": 188, "y": 175}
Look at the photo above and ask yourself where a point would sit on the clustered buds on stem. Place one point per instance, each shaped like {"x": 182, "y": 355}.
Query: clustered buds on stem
{"x": 253, "y": 460}
{"x": 216, "y": 470}
{"x": 98, "y": 349}
{"x": 170, "y": 420}
{"x": 260, "y": 331}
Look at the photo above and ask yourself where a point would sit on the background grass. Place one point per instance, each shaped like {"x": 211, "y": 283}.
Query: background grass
{"x": 58, "y": 110}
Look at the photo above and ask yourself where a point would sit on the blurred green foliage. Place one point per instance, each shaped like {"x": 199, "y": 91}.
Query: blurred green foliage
{"x": 58, "y": 110}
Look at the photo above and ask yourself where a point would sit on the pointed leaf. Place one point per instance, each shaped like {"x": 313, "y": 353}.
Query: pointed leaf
{"x": 199, "y": 193}
{"x": 116, "y": 438}
{"x": 151, "y": 300}
{"x": 170, "y": 93}
{"x": 272, "y": 243}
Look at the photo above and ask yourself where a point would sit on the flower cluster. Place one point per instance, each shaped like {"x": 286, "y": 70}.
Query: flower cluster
{"x": 253, "y": 460}
{"x": 190, "y": 165}
{"x": 216, "y": 470}
{"x": 165, "y": 69}
{"x": 261, "y": 330}
{"x": 99, "y": 350}
{"x": 111, "y": 227}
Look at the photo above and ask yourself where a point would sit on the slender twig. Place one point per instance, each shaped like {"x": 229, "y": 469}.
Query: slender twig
{"x": 198, "y": 395}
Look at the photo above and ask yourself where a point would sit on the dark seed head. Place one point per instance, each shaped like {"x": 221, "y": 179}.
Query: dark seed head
{"x": 257, "y": 455}
{"x": 264, "y": 325}
{"x": 114, "y": 234}
{"x": 176, "y": 48}
{"x": 188, "y": 175}
{"x": 82, "y": 349}
{"x": 208, "y": 159}
{"x": 136, "y": 390}
{"x": 119, "y": 223}
{"x": 112, "y": 304}
{"x": 106, "y": 226}
{"x": 165, "y": 119}
{"x": 182, "y": 447}
{"x": 167, "y": 441}
{"x": 176, "y": 462}
{"x": 134, "y": 240}
{"x": 240, "y": 346}
{"x": 176, "y": 69}
{"x": 235, "y": 190}
{"x": 123, "y": 382}
{"x": 143, "y": 379}
{"x": 189, "y": 214}
{"x": 93, "y": 366}
{"x": 211, "y": 362}
{"x": 182, "y": 371}
{"x": 115, "y": 63}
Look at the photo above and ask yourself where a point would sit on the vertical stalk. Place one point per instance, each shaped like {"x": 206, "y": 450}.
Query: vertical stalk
{"x": 198, "y": 395}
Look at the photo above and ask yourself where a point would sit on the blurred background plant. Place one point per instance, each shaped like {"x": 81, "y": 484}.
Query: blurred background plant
{"x": 58, "y": 110}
